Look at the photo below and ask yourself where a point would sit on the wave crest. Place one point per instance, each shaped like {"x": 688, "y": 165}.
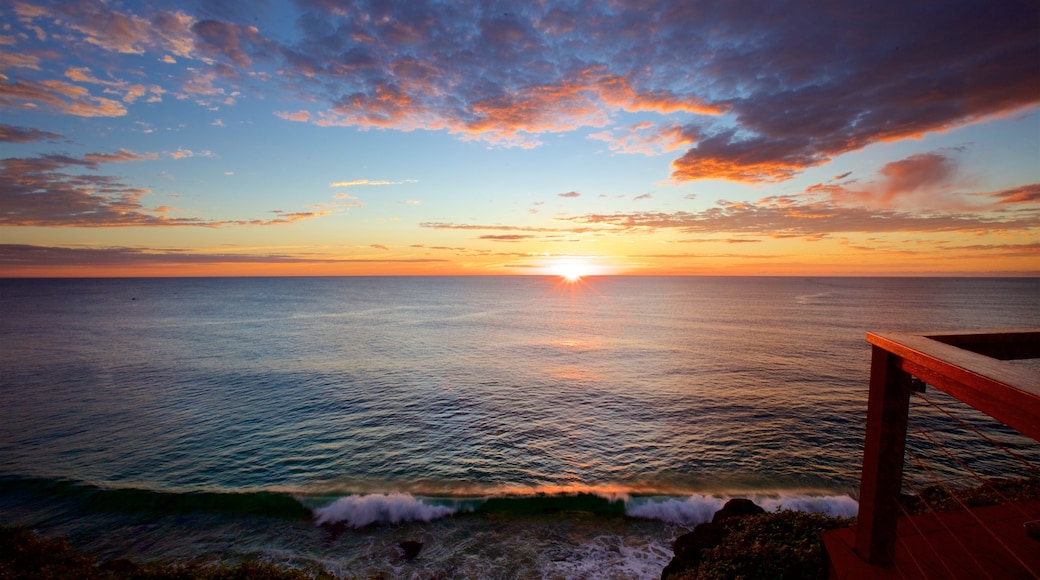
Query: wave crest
{"x": 697, "y": 509}
{"x": 358, "y": 511}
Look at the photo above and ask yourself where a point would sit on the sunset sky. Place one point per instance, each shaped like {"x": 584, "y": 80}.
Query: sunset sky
{"x": 321, "y": 137}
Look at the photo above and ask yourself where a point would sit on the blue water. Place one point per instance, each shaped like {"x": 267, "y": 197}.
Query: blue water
{"x": 401, "y": 401}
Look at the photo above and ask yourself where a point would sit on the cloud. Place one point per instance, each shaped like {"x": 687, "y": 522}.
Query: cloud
{"x": 1024, "y": 194}
{"x": 58, "y": 96}
{"x": 357, "y": 182}
{"x": 97, "y": 24}
{"x": 507, "y": 237}
{"x": 643, "y": 196}
{"x": 790, "y": 100}
{"x": 795, "y": 217}
{"x": 235, "y": 43}
{"x": 799, "y": 101}
{"x": 52, "y": 191}
{"x": 12, "y": 134}
{"x": 914, "y": 173}
{"x": 13, "y": 255}
{"x": 645, "y": 138}
{"x": 503, "y": 228}
{"x": 503, "y": 78}
{"x": 755, "y": 100}
{"x": 10, "y": 60}
{"x": 380, "y": 247}
{"x": 182, "y": 153}
{"x": 570, "y": 194}
{"x": 914, "y": 195}
{"x": 923, "y": 180}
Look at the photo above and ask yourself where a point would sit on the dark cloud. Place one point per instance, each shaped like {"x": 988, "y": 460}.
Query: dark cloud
{"x": 507, "y": 237}
{"x": 750, "y": 99}
{"x": 818, "y": 81}
{"x": 52, "y": 190}
{"x": 236, "y": 43}
{"x": 803, "y": 82}
{"x": 12, "y": 134}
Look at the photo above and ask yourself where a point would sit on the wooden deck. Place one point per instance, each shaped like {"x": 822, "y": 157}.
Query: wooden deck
{"x": 956, "y": 547}
{"x": 990, "y": 542}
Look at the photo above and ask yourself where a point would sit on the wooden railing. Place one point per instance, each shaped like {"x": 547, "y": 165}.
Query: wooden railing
{"x": 967, "y": 365}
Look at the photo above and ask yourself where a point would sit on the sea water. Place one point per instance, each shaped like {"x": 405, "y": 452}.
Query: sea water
{"x": 517, "y": 426}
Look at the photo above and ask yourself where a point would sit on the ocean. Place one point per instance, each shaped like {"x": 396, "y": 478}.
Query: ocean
{"x": 519, "y": 427}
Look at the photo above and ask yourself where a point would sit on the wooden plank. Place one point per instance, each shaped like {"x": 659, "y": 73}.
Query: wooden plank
{"x": 1009, "y": 393}
{"x": 949, "y": 545}
{"x": 1011, "y": 344}
{"x": 1011, "y": 407}
{"x": 963, "y": 365}
{"x": 888, "y": 403}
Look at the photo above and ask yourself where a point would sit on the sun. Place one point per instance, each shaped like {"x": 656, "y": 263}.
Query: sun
{"x": 571, "y": 270}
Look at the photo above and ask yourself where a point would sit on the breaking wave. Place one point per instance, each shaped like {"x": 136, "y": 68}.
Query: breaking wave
{"x": 362, "y": 510}
{"x": 697, "y": 508}
{"x": 358, "y": 511}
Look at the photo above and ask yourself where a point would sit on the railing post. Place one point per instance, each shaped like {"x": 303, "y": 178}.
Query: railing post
{"x": 881, "y": 481}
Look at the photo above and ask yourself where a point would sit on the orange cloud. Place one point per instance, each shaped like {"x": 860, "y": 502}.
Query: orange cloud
{"x": 1025, "y": 194}
{"x": 645, "y": 138}
{"x": 808, "y": 217}
{"x": 58, "y": 96}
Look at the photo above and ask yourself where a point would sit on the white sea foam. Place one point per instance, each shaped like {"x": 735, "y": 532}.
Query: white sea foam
{"x": 698, "y": 509}
{"x": 832, "y": 505}
{"x": 358, "y": 511}
{"x": 610, "y": 557}
{"x": 693, "y": 510}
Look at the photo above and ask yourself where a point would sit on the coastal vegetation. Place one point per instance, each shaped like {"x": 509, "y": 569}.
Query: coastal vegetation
{"x": 29, "y": 556}
{"x": 744, "y": 541}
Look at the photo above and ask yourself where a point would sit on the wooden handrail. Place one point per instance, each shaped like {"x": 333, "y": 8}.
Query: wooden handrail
{"x": 967, "y": 365}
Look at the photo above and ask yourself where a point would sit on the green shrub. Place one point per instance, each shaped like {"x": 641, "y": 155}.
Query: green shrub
{"x": 783, "y": 544}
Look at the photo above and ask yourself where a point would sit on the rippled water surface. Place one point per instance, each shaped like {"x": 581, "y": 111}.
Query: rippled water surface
{"x": 455, "y": 388}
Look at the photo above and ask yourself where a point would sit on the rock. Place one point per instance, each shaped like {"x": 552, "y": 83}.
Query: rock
{"x": 120, "y": 567}
{"x": 735, "y": 508}
{"x": 688, "y": 548}
{"x": 410, "y": 549}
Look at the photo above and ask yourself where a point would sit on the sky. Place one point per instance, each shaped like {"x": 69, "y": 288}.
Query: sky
{"x": 325, "y": 137}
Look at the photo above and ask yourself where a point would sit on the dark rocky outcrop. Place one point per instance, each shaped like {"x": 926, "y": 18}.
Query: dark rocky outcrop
{"x": 689, "y": 548}
{"x": 735, "y": 508}
{"x": 410, "y": 549}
